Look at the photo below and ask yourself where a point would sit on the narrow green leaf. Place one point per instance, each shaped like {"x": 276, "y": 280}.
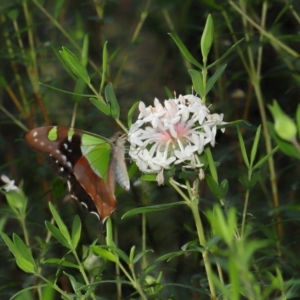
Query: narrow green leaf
{"x": 243, "y": 149}
{"x": 57, "y": 8}
{"x": 120, "y": 253}
{"x": 10, "y": 245}
{"x": 112, "y": 101}
{"x": 131, "y": 254}
{"x": 212, "y": 80}
{"x": 85, "y": 51}
{"x": 151, "y": 209}
{"x": 61, "y": 225}
{"x": 102, "y": 106}
{"x": 285, "y": 146}
{"x": 60, "y": 262}
{"x": 225, "y": 54}
{"x": 104, "y": 67}
{"x": 131, "y": 112}
{"x": 214, "y": 186}
{"x": 264, "y": 159}
{"x": 234, "y": 279}
{"x": 167, "y": 257}
{"x": 25, "y": 265}
{"x": 140, "y": 255}
{"x": 185, "y": 51}
{"x": 234, "y": 123}
{"x": 224, "y": 187}
{"x": 148, "y": 177}
{"x": 75, "y": 285}
{"x": 212, "y": 165}
{"x": 23, "y": 249}
{"x": 79, "y": 89}
{"x": 207, "y": 37}
{"x": 76, "y": 231}
{"x": 197, "y": 80}
{"x": 168, "y": 92}
{"x": 74, "y": 64}
{"x": 104, "y": 253}
{"x": 57, "y": 234}
{"x": 255, "y": 145}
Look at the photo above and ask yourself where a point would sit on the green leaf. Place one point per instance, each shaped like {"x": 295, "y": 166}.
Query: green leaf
{"x": 57, "y": 234}
{"x": 104, "y": 67}
{"x": 76, "y": 231}
{"x": 243, "y": 178}
{"x": 74, "y": 64}
{"x": 197, "y": 80}
{"x": 148, "y": 177}
{"x": 104, "y": 253}
{"x": 60, "y": 262}
{"x": 243, "y": 148}
{"x": 255, "y": 145}
{"x": 11, "y": 245}
{"x": 131, "y": 254}
{"x": 185, "y": 51}
{"x": 212, "y": 80}
{"x": 25, "y": 265}
{"x": 234, "y": 123}
{"x": 120, "y": 254}
{"x": 61, "y": 225}
{"x": 151, "y": 209}
{"x": 221, "y": 226}
{"x": 85, "y": 51}
{"x": 17, "y": 201}
{"x": 131, "y": 112}
{"x": 23, "y": 249}
{"x": 214, "y": 186}
{"x": 79, "y": 89}
{"x": 207, "y": 37}
{"x": 255, "y": 176}
{"x": 140, "y": 255}
{"x": 211, "y": 164}
{"x": 75, "y": 285}
{"x": 168, "y": 92}
{"x": 225, "y": 54}
{"x": 264, "y": 159}
{"x": 57, "y": 8}
{"x": 112, "y": 100}
{"x": 224, "y": 187}
{"x": 285, "y": 146}
{"x": 102, "y": 106}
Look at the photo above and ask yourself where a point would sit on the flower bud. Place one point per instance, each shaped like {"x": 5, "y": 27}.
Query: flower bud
{"x": 285, "y": 127}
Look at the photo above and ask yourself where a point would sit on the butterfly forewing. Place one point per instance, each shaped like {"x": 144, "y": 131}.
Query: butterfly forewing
{"x": 84, "y": 159}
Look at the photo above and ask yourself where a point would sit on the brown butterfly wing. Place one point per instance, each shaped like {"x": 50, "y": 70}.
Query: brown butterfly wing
{"x": 66, "y": 156}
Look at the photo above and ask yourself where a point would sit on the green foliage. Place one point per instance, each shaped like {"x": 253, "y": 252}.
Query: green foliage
{"x": 214, "y": 234}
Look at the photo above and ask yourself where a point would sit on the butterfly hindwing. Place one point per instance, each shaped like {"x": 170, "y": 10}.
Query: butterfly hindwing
{"x": 85, "y": 160}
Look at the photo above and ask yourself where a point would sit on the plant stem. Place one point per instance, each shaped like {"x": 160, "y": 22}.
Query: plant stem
{"x": 194, "y": 207}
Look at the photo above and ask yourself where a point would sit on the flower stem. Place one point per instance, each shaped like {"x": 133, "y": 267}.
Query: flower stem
{"x": 205, "y": 254}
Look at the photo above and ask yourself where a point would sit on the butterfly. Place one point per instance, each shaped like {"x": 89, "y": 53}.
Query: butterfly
{"x": 90, "y": 163}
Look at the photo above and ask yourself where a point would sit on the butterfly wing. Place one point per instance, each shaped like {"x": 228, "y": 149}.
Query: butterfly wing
{"x": 84, "y": 159}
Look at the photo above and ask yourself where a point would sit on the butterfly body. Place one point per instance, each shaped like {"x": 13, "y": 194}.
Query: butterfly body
{"x": 90, "y": 163}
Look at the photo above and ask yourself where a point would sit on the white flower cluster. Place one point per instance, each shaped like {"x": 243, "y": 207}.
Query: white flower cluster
{"x": 174, "y": 133}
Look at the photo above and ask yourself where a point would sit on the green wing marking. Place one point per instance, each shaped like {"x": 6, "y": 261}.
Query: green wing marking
{"x": 98, "y": 152}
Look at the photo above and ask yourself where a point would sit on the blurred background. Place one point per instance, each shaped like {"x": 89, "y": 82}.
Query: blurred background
{"x": 144, "y": 62}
